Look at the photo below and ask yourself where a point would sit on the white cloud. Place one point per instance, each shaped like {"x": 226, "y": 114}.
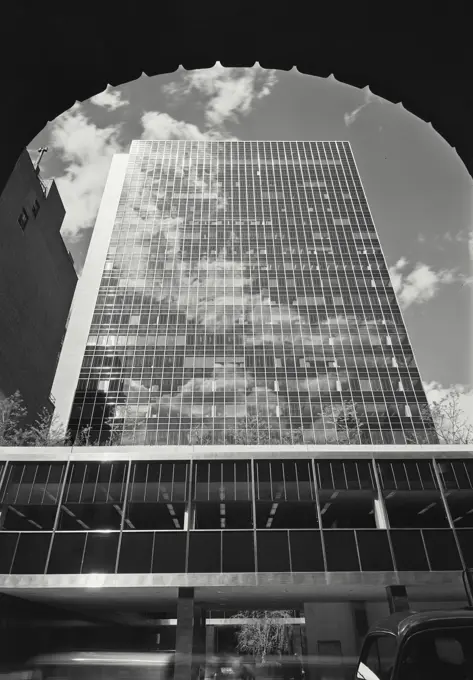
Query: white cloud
{"x": 158, "y": 125}
{"x": 110, "y": 99}
{"x": 435, "y": 392}
{"x": 229, "y": 92}
{"x": 420, "y": 238}
{"x": 421, "y": 285}
{"x": 350, "y": 118}
{"x": 87, "y": 152}
{"x": 462, "y": 236}
{"x": 396, "y": 275}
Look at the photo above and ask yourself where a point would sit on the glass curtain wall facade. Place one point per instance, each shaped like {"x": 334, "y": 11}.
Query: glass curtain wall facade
{"x": 245, "y": 299}
{"x": 139, "y": 516}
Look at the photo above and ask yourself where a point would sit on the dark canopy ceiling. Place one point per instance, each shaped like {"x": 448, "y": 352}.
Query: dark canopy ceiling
{"x": 55, "y": 54}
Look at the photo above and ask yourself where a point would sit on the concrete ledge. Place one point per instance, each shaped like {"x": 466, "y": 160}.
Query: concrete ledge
{"x": 330, "y": 583}
{"x": 282, "y": 452}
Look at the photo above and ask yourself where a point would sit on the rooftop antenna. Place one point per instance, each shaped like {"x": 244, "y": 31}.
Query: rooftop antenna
{"x": 41, "y": 151}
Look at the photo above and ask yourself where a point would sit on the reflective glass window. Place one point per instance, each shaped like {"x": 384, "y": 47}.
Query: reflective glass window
{"x": 29, "y": 496}
{"x": 93, "y": 497}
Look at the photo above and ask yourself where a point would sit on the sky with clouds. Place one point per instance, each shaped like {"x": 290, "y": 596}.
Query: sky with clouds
{"x": 418, "y": 190}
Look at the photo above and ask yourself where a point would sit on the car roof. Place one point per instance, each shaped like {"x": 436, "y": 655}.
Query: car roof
{"x": 407, "y": 622}
{"x": 105, "y": 658}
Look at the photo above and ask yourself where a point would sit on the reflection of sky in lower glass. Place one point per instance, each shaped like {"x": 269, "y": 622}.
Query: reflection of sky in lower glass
{"x": 216, "y": 323}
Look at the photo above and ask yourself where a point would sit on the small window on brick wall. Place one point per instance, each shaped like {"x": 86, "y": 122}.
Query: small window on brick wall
{"x": 23, "y": 219}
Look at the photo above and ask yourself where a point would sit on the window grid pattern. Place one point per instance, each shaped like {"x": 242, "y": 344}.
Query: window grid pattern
{"x": 407, "y": 476}
{"x": 148, "y": 516}
{"x": 456, "y": 474}
{"x": 245, "y": 299}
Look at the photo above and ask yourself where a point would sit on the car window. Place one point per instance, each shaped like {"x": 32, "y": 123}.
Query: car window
{"x": 446, "y": 653}
{"x": 387, "y": 646}
{"x": 377, "y": 658}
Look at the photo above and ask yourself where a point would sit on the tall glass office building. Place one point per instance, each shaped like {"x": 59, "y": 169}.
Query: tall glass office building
{"x": 245, "y": 299}
{"x": 234, "y": 295}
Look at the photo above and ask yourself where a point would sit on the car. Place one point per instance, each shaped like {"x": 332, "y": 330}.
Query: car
{"x": 419, "y": 646}
{"x": 100, "y": 666}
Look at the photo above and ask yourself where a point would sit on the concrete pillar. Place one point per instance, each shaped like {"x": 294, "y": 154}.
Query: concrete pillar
{"x": 210, "y": 641}
{"x": 190, "y": 636}
{"x": 297, "y": 653}
{"x": 361, "y": 622}
{"x": 210, "y": 651}
{"x": 331, "y": 622}
{"x": 297, "y": 640}
{"x": 199, "y": 638}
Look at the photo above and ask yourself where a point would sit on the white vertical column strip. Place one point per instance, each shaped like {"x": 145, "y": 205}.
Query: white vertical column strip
{"x": 379, "y": 491}
{"x": 83, "y": 305}
{"x": 124, "y": 511}
{"x": 57, "y": 517}
{"x": 447, "y": 511}
{"x": 3, "y": 476}
{"x": 319, "y": 511}
{"x": 253, "y": 502}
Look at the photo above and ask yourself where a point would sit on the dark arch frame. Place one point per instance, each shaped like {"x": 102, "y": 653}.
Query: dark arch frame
{"x": 53, "y": 56}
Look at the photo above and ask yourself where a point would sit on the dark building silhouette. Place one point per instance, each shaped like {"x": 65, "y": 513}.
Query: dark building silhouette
{"x": 37, "y": 283}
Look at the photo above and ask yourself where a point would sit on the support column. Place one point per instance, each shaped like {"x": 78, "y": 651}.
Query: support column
{"x": 361, "y": 622}
{"x": 297, "y": 670}
{"x": 199, "y": 641}
{"x": 297, "y": 641}
{"x": 210, "y": 651}
{"x": 330, "y": 630}
{"x": 210, "y": 641}
{"x": 190, "y": 636}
